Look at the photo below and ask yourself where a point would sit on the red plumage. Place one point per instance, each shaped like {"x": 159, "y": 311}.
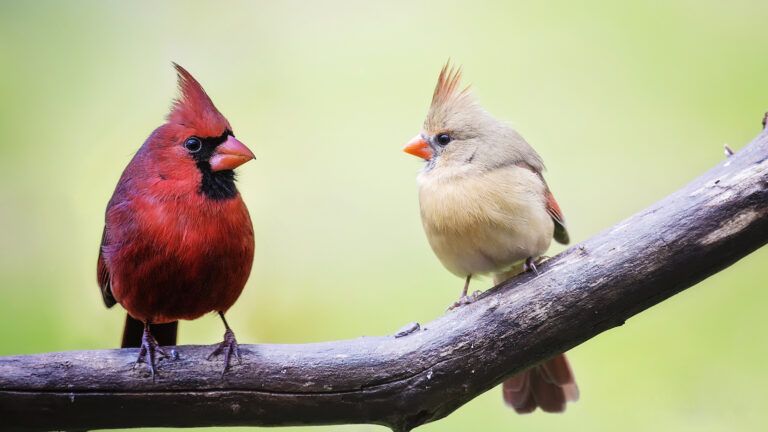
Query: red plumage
{"x": 549, "y": 385}
{"x": 178, "y": 240}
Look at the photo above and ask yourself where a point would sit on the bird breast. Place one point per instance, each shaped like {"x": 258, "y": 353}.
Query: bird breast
{"x": 178, "y": 259}
{"x": 484, "y": 221}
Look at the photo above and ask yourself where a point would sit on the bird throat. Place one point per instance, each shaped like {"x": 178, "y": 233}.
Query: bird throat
{"x": 216, "y": 185}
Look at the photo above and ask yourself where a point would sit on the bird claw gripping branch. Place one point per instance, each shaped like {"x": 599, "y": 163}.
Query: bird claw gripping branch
{"x": 228, "y": 346}
{"x": 465, "y": 300}
{"x": 149, "y": 347}
{"x": 530, "y": 266}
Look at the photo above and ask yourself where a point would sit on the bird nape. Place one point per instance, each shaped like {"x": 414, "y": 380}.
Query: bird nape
{"x": 178, "y": 240}
{"x": 486, "y": 209}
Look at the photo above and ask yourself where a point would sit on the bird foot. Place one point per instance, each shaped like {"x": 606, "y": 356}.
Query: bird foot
{"x": 465, "y": 300}
{"x": 228, "y": 347}
{"x": 148, "y": 351}
{"x": 530, "y": 265}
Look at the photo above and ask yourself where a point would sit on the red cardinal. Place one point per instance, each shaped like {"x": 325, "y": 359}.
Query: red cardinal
{"x": 178, "y": 240}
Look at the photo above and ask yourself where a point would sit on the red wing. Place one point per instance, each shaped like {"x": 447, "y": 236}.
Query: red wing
{"x": 561, "y": 233}
{"x": 102, "y": 274}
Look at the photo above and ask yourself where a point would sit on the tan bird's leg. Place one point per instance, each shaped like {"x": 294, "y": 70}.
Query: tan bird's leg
{"x": 466, "y": 286}
{"x": 530, "y": 265}
{"x": 465, "y": 299}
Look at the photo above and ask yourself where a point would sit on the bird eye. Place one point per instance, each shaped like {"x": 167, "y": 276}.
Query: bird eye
{"x": 443, "y": 139}
{"x": 193, "y": 144}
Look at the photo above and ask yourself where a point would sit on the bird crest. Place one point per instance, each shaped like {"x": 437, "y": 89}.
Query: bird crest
{"x": 194, "y": 109}
{"x": 448, "y": 96}
{"x": 447, "y": 87}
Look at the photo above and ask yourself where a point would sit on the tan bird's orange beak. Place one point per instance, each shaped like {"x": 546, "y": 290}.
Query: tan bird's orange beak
{"x": 230, "y": 154}
{"x": 418, "y": 147}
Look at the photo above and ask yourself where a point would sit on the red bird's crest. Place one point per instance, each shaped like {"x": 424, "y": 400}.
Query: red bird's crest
{"x": 194, "y": 109}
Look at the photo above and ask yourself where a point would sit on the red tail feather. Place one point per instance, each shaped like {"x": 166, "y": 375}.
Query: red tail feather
{"x": 548, "y": 386}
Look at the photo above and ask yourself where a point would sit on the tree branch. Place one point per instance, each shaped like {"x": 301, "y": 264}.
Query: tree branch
{"x": 406, "y": 381}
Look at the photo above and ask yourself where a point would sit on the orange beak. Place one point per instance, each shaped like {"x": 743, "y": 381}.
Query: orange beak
{"x": 418, "y": 147}
{"x": 229, "y": 155}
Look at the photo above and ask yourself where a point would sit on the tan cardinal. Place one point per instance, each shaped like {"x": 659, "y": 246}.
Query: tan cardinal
{"x": 486, "y": 209}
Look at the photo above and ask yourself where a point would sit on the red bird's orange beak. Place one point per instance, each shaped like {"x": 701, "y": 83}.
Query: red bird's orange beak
{"x": 229, "y": 155}
{"x": 418, "y": 146}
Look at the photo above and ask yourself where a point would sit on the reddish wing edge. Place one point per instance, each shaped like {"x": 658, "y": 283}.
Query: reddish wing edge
{"x": 553, "y": 208}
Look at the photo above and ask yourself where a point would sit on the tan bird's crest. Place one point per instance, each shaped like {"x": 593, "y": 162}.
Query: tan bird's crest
{"x": 447, "y": 88}
{"x": 448, "y": 96}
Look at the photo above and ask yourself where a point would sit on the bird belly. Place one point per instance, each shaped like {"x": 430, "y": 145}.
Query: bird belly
{"x": 485, "y": 223}
{"x": 159, "y": 287}
{"x": 182, "y": 267}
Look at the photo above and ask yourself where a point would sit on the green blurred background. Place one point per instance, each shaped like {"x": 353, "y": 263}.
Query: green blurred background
{"x": 625, "y": 101}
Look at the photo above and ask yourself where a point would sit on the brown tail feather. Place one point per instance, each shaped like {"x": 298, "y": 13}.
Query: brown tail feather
{"x": 549, "y": 386}
{"x": 518, "y": 394}
{"x": 165, "y": 334}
